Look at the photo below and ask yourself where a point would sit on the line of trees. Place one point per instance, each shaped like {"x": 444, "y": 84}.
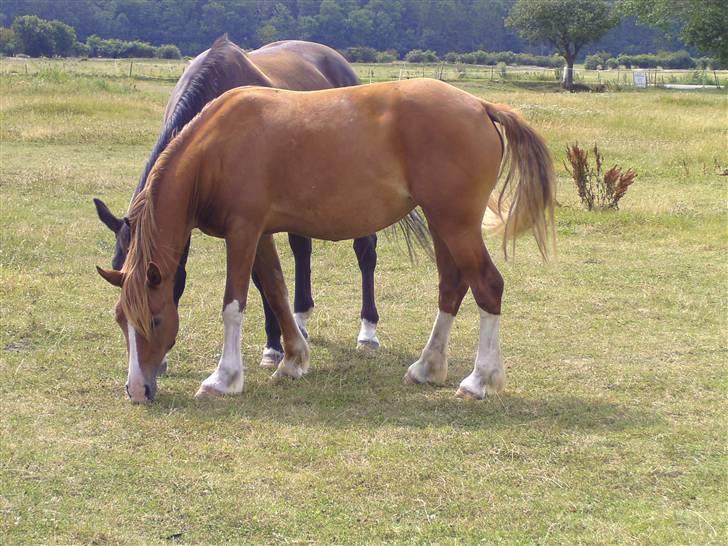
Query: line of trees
{"x": 402, "y": 25}
{"x": 36, "y": 37}
{"x": 425, "y": 28}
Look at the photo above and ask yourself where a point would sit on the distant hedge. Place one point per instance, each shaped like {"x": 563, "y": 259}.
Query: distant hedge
{"x": 664, "y": 59}
{"x": 370, "y": 55}
{"x": 507, "y": 57}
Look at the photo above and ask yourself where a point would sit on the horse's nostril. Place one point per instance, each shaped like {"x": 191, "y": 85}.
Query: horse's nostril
{"x": 147, "y": 392}
{"x": 127, "y": 390}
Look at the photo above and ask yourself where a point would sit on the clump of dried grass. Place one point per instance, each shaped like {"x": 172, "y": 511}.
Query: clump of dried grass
{"x": 598, "y": 190}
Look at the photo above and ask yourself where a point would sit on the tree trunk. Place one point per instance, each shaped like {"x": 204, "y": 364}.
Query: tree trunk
{"x": 569, "y": 79}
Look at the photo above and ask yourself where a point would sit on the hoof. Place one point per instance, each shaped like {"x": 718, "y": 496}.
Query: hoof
{"x": 368, "y": 345}
{"x": 206, "y": 391}
{"x": 271, "y": 358}
{"x": 465, "y": 394}
{"x": 280, "y": 376}
{"x": 410, "y": 379}
{"x": 289, "y": 370}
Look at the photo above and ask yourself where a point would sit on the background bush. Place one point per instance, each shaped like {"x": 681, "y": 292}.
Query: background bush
{"x": 360, "y": 54}
{"x": 168, "y": 51}
{"x": 420, "y": 56}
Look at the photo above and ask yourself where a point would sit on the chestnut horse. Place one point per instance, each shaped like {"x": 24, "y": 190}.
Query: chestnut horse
{"x": 334, "y": 164}
{"x": 288, "y": 65}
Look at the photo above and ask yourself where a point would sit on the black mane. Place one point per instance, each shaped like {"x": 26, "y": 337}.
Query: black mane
{"x": 204, "y": 86}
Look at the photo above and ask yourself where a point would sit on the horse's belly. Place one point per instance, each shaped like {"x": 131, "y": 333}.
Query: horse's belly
{"x": 341, "y": 209}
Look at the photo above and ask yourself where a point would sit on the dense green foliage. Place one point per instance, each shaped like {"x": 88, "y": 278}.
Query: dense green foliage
{"x": 383, "y": 25}
{"x": 701, "y": 23}
{"x": 35, "y": 37}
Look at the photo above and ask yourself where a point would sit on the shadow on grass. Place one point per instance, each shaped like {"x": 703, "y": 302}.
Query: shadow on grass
{"x": 354, "y": 390}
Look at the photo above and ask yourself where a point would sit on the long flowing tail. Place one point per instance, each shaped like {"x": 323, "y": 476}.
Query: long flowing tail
{"x": 527, "y": 196}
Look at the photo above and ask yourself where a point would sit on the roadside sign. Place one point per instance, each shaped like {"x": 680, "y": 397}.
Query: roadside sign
{"x": 640, "y": 79}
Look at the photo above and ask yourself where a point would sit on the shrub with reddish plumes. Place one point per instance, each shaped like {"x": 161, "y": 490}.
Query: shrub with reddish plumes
{"x": 598, "y": 190}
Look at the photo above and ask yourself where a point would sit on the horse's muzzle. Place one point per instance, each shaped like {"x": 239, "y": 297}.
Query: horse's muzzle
{"x": 136, "y": 397}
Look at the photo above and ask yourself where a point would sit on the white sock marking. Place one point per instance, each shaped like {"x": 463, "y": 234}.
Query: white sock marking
{"x": 432, "y": 365}
{"x": 301, "y": 319}
{"x": 228, "y": 376}
{"x": 368, "y": 332}
{"x": 488, "y": 374}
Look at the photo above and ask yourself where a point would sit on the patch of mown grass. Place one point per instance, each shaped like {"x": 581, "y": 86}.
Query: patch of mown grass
{"x": 611, "y": 429}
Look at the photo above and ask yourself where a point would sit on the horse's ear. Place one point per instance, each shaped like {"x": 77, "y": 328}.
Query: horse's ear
{"x": 113, "y": 277}
{"x": 106, "y": 216}
{"x": 154, "y": 276}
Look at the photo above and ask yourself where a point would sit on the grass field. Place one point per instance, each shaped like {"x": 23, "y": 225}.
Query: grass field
{"x": 612, "y": 427}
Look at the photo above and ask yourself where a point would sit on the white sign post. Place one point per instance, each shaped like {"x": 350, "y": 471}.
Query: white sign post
{"x": 640, "y": 79}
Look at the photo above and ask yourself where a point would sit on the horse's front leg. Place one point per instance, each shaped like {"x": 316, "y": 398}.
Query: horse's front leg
{"x": 270, "y": 275}
{"x": 366, "y": 254}
{"x": 228, "y": 377}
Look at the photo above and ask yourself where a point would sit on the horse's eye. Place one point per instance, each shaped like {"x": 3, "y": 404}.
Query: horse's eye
{"x": 156, "y": 322}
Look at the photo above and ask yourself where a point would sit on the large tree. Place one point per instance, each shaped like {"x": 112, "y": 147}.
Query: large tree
{"x": 700, "y": 23}
{"x": 567, "y": 25}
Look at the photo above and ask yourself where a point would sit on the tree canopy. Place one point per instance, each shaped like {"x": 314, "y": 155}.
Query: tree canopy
{"x": 700, "y": 23}
{"x": 566, "y": 25}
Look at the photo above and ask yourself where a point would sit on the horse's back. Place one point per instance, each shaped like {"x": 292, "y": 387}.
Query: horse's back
{"x": 289, "y": 61}
{"x": 334, "y": 151}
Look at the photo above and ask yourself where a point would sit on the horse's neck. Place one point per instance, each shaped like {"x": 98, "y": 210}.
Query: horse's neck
{"x": 175, "y": 212}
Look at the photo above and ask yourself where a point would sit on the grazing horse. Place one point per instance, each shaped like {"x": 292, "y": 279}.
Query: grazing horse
{"x": 287, "y": 65}
{"x": 366, "y": 156}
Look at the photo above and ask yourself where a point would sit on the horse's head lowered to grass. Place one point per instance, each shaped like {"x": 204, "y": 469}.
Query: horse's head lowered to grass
{"x": 146, "y": 312}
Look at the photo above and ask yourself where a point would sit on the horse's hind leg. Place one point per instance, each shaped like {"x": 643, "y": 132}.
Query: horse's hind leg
{"x": 432, "y": 365}
{"x": 302, "y": 299}
{"x": 366, "y": 254}
{"x": 465, "y": 245}
{"x": 273, "y": 350}
{"x": 486, "y": 283}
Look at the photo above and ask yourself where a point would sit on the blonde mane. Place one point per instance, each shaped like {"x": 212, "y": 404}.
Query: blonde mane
{"x": 143, "y": 247}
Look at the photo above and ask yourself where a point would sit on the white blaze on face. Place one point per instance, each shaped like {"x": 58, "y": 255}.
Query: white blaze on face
{"x": 135, "y": 378}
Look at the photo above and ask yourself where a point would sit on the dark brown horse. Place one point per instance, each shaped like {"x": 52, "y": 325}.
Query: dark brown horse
{"x": 334, "y": 165}
{"x": 287, "y": 65}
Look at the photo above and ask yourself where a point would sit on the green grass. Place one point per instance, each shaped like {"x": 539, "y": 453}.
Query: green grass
{"x": 611, "y": 428}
